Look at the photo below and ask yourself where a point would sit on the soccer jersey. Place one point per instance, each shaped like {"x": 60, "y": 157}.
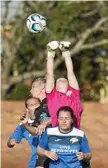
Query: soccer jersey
{"x": 71, "y": 98}
{"x": 66, "y": 146}
{"x": 19, "y": 133}
{"x": 41, "y": 113}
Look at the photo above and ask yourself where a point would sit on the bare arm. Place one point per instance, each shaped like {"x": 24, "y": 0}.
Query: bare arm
{"x": 32, "y": 130}
{"x": 50, "y": 75}
{"x": 70, "y": 73}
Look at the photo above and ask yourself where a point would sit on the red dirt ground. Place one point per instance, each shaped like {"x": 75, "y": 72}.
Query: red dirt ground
{"x": 94, "y": 123}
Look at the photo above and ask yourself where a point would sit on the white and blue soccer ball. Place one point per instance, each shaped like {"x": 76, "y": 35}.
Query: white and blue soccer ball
{"x": 36, "y": 23}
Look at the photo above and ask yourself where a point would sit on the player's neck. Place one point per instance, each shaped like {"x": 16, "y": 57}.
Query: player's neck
{"x": 65, "y": 131}
{"x": 42, "y": 95}
{"x": 62, "y": 90}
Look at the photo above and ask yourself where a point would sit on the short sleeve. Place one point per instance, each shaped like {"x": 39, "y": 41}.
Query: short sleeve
{"x": 51, "y": 94}
{"x": 44, "y": 140}
{"x": 76, "y": 92}
{"x": 84, "y": 145}
{"x": 17, "y": 134}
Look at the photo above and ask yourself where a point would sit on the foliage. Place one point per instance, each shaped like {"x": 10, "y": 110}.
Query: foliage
{"x": 19, "y": 92}
{"x": 25, "y": 52}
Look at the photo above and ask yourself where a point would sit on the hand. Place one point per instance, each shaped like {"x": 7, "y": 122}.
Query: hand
{"x": 64, "y": 45}
{"x": 25, "y": 121}
{"x": 36, "y": 130}
{"x": 25, "y": 117}
{"x": 53, "y": 45}
{"x": 52, "y": 155}
{"x": 41, "y": 129}
{"x": 46, "y": 122}
{"x": 80, "y": 155}
{"x": 13, "y": 142}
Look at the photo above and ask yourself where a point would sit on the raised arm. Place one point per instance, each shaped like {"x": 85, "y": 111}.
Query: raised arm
{"x": 64, "y": 47}
{"x": 51, "y": 47}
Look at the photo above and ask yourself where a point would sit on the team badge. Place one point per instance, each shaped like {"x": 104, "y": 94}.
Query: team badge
{"x": 69, "y": 92}
{"x": 73, "y": 140}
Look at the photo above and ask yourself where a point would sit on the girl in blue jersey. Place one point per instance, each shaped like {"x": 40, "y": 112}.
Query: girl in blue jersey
{"x": 65, "y": 145}
{"x": 20, "y": 132}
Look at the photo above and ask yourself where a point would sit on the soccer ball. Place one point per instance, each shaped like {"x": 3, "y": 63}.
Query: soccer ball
{"x": 36, "y": 23}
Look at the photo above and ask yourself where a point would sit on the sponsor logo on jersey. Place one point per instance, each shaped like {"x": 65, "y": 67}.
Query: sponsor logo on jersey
{"x": 56, "y": 140}
{"x": 73, "y": 140}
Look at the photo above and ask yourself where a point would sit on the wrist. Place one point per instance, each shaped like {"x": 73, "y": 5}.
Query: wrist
{"x": 84, "y": 157}
{"x": 45, "y": 153}
{"x": 66, "y": 53}
{"x": 51, "y": 54}
{"x": 25, "y": 123}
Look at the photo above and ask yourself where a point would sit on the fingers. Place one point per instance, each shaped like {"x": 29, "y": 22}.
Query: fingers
{"x": 41, "y": 129}
{"x": 24, "y": 120}
{"x": 52, "y": 155}
{"x": 13, "y": 141}
{"x": 27, "y": 113}
{"x": 80, "y": 155}
{"x": 23, "y": 117}
{"x": 36, "y": 130}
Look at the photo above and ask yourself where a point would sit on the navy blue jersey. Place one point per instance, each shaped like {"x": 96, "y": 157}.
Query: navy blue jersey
{"x": 41, "y": 113}
{"x": 19, "y": 133}
{"x": 66, "y": 146}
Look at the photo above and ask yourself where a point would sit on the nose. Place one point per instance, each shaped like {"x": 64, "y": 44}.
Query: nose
{"x": 64, "y": 120}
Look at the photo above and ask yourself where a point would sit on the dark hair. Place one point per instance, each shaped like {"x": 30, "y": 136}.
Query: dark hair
{"x": 65, "y": 109}
{"x": 31, "y": 97}
{"x": 39, "y": 79}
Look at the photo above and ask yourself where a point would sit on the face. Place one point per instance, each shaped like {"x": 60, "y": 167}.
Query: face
{"x": 37, "y": 88}
{"x": 65, "y": 121}
{"x": 62, "y": 84}
{"x": 32, "y": 104}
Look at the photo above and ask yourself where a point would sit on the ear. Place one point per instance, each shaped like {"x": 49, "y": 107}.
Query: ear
{"x": 72, "y": 120}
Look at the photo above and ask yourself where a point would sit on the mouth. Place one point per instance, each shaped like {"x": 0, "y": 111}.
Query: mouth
{"x": 64, "y": 125}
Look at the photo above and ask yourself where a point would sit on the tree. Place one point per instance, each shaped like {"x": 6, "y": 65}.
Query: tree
{"x": 85, "y": 24}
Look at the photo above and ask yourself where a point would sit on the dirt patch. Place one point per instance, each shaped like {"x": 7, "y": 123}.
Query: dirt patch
{"x": 94, "y": 123}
